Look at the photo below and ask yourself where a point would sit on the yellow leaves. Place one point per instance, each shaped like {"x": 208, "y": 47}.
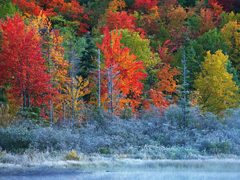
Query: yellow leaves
{"x": 7, "y": 114}
{"x": 217, "y": 91}
{"x": 154, "y": 12}
{"x": 72, "y": 98}
{"x": 116, "y": 5}
{"x": 40, "y": 24}
{"x": 78, "y": 88}
{"x": 231, "y": 35}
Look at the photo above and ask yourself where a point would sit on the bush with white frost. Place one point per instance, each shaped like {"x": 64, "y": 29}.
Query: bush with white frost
{"x": 153, "y": 135}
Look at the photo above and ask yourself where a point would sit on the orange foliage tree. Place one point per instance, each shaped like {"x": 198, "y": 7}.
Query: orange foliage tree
{"x": 127, "y": 71}
{"x": 53, "y": 53}
{"x": 121, "y": 20}
{"x": 116, "y": 5}
{"x": 167, "y": 83}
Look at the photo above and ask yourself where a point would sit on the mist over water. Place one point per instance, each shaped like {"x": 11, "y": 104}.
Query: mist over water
{"x": 135, "y": 170}
{"x": 134, "y": 175}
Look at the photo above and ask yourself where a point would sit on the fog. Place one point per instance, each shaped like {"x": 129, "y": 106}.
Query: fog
{"x": 128, "y": 169}
{"x": 134, "y": 175}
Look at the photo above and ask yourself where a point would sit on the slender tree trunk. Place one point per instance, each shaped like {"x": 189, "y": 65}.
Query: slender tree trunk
{"x": 99, "y": 78}
{"x": 64, "y": 120}
{"x": 71, "y": 58}
{"x": 111, "y": 87}
{"x": 24, "y": 100}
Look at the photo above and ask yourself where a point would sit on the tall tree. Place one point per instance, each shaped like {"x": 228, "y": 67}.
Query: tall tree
{"x": 22, "y": 65}
{"x": 231, "y": 35}
{"x": 217, "y": 91}
{"x": 86, "y": 63}
{"x": 121, "y": 63}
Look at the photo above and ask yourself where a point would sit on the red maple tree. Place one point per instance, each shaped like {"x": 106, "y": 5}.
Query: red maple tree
{"x": 121, "y": 20}
{"x": 22, "y": 67}
{"x": 129, "y": 74}
{"x": 144, "y": 5}
{"x": 72, "y": 10}
{"x": 165, "y": 53}
{"x": 227, "y": 5}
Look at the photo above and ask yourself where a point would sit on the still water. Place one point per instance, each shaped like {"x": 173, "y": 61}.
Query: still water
{"x": 133, "y": 170}
{"x": 130, "y": 175}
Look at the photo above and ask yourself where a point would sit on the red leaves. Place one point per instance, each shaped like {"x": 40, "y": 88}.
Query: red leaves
{"x": 164, "y": 52}
{"x": 121, "y": 20}
{"x": 208, "y": 20}
{"x": 22, "y": 65}
{"x": 28, "y": 7}
{"x": 227, "y": 5}
{"x": 53, "y": 7}
{"x": 145, "y": 5}
{"x": 128, "y": 72}
{"x": 217, "y": 8}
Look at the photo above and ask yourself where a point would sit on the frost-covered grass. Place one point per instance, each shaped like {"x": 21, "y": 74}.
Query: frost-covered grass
{"x": 33, "y": 160}
{"x": 152, "y": 136}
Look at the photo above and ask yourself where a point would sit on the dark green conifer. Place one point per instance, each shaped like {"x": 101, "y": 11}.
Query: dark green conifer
{"x": 87, "y": 63}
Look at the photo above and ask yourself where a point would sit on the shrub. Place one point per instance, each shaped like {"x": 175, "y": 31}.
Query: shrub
{"x": 205, "y": 134}
{"x": 72, "y": 156}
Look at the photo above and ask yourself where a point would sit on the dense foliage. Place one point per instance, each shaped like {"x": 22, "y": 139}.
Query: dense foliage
{"x": 61, "y": 58}
{"x": 152, "y": 136}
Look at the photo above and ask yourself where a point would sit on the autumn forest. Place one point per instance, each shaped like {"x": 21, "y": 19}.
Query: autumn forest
{"x": 71, "y": 63}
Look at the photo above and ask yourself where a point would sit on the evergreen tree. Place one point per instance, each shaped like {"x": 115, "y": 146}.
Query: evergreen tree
{"x": 86, "y": 63}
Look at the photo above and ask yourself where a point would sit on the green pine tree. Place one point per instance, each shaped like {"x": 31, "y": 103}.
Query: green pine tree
{"x": 86, "y": 63}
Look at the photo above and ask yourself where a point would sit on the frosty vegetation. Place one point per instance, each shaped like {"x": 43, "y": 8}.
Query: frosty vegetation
{"x": 152, "y": 136}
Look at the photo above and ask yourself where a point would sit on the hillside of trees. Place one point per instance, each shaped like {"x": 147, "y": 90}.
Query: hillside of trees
{"x": 129, "y": 73}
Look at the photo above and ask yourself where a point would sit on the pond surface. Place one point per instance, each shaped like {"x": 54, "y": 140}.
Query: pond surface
{"x": 133, "y": 170}
{"x": 128, "y": 175}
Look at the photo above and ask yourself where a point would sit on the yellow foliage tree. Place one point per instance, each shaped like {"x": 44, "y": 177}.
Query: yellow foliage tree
{"x": 73, "y": 101}
{"x": 217, "y": 91}
{"x": 231, "y": 35}
{"x": 53, "y": 52}
{"x": 116, "y": 5}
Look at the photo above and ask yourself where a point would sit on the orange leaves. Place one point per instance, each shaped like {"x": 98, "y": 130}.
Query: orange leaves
{"x": 220, "y": 5}
{"x": 127, "y": 72}
{"x": 167, "y": 82}
{"x": 177, "y": 17}
{"x": 28, "y": 7}
{"x": 116, "y": 5}
{"x": 216, "y": 8}
{"x": 157, "y": 99}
